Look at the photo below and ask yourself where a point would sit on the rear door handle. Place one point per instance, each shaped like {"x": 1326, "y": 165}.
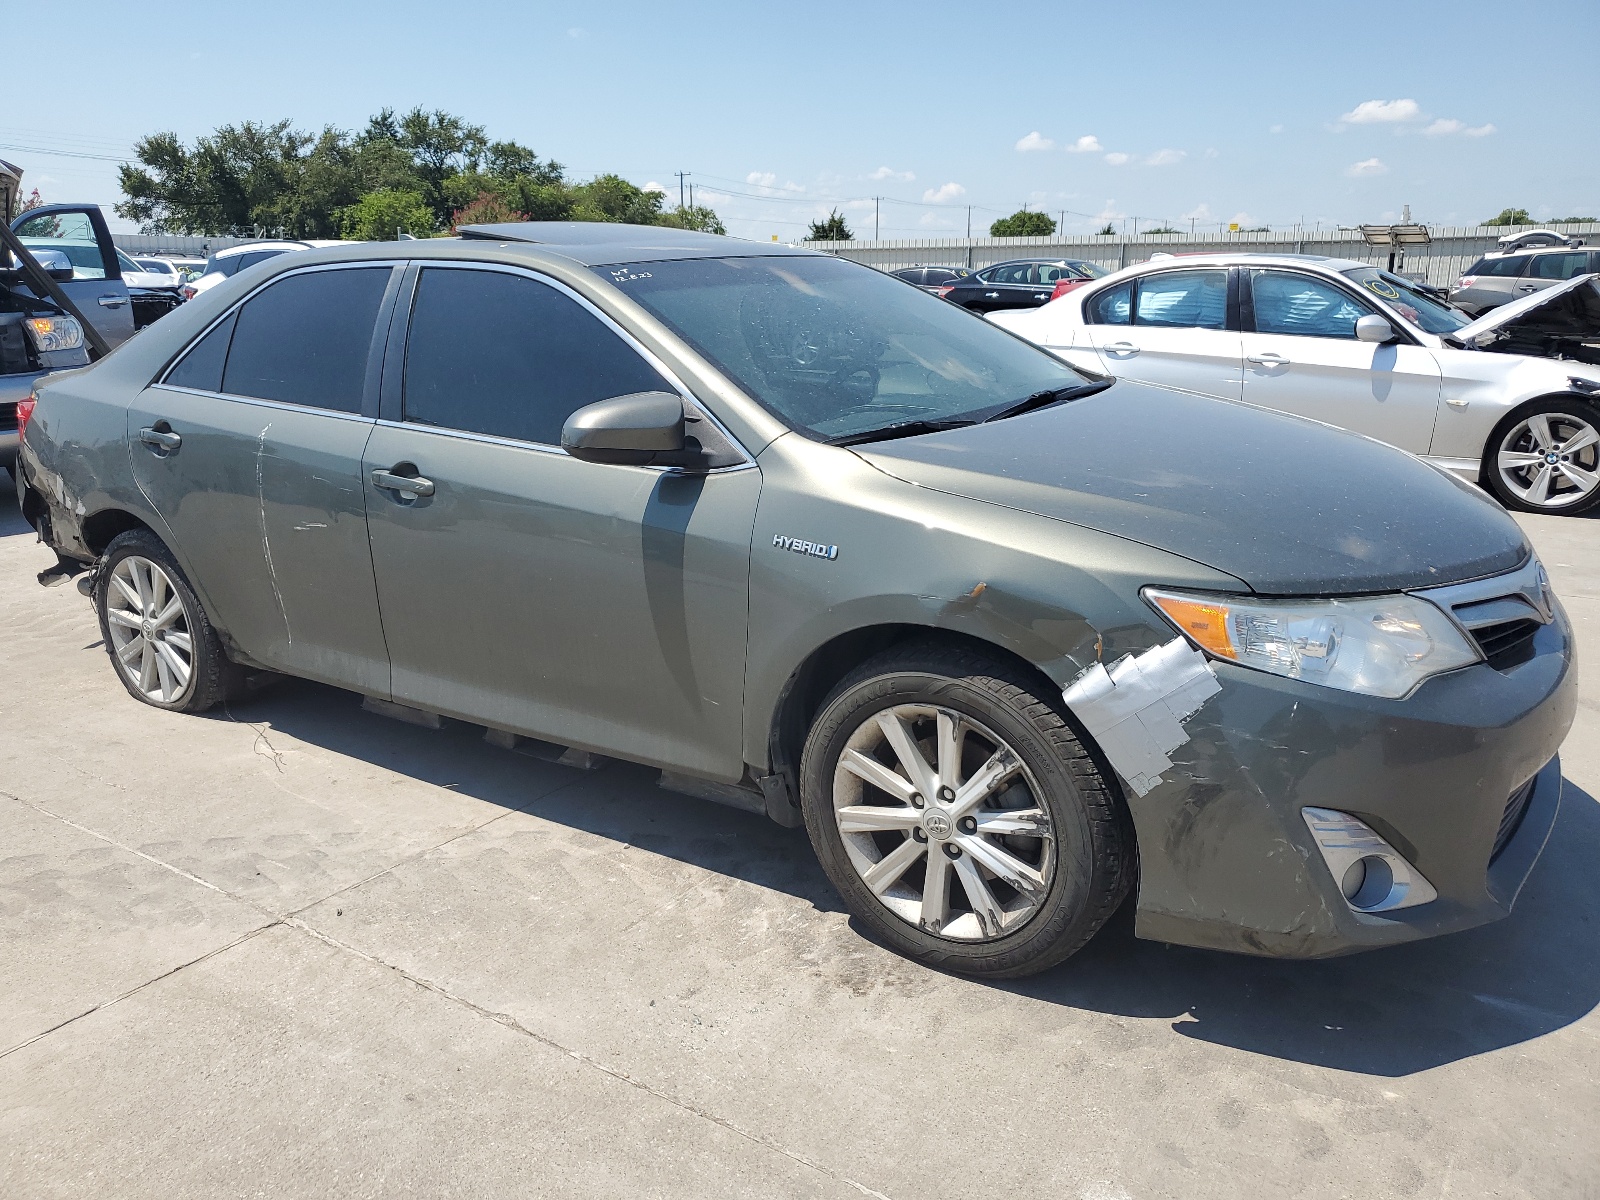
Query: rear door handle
{"x": 1267, "y": 360}
{"x": 1122, "y": 348}
{"x": 113, "y": 301}
{"x": 409, "y": 485}
{"x": 991, "y": 295}
{"x": 1527, "y": 287}
{"x": 157, "y": 439}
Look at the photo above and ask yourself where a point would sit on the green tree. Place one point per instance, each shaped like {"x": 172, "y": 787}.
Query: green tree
{"x": 380, "y": 216}
{"x": 831, "y": 229}
{"x": 487, "y": 209}
{"x": 1107, "y": 230}
{"x": 1511, "y": 216}
{"x": 694, "y": 216}
{"x": 1160, "y": 229}
{"x": 613, "y": 198}
{"x": 1572, "y": 220}
{"x": 1023, "y": 224}
{"x": 233, "y": 180}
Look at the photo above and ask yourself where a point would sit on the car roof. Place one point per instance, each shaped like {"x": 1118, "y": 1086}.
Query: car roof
{"x": 1512, "y": 251}
{"x": 597, "y": 243}
{"x": 230, "y": 251}
{"x": 1017, "y": 262}
{"x": 1252, "y": 258}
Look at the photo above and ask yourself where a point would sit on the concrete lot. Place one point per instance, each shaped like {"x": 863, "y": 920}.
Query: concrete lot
{"x": 300, "y": 950}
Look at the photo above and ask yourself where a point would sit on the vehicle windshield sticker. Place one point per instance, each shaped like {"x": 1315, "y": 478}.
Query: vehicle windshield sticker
{"x": 1387, "y": 290}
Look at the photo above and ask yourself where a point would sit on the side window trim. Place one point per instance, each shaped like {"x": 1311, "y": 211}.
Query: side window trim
{"x": 391, "y": 408}
{"x": 374, "y": 374}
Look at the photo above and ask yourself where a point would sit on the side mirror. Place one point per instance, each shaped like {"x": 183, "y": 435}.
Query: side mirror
{"x": 644, "y": 429}
{"x": 1373, "y": 328}
{"x": 56, "y": 264}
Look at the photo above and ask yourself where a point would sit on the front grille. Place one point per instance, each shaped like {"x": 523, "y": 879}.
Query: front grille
{"x": 8, "y": 417}
{"x": 1507, "y": 644}
{"x": 1516, "y": 809}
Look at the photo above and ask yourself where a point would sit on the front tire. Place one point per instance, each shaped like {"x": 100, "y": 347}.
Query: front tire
{"x": 161, "y": 644}
{"x": 959, "y": 816}
{"x": 1546, "y": 459}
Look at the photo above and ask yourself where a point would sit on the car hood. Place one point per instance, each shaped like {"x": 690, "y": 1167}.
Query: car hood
{"x": 1289, "y": 506}
{"x": 1581, "y": 295}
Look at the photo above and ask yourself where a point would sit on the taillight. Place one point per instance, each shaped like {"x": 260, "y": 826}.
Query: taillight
{"x": 1063, "y": 286}
{"x": 24, "y": 411}
{"x": 946, "y": 290}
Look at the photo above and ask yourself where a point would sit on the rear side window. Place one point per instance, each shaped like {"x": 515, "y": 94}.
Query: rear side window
{"x": 1558, "y": 266}
{"x": 507, "y": 356}
{"x": 304, "y": 339}
{"x": 1299, "y": 305}
{"x": 1185, "y": 299}
{"x": 201, "y": 366}
{"x": 1015, "y": 273}
{"x": 1114, "y": 306}
{"x": 255, "y": 256}
{"x": 1500, "y": 268}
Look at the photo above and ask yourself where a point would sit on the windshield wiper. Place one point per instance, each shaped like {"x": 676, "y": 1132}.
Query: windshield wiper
{"x": 1046, "y": 398}
{"x": 904, "y": 429}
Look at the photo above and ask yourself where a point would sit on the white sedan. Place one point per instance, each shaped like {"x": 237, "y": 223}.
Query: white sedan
{"x": 1511, "y": 400}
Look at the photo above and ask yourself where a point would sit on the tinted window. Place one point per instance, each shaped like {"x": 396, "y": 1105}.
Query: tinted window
{"x": 835, "y": 348}
{"x": 938, "y": 275}
{"x": 505, "y": 355}
{"x": 1114, "y": 306}
{"x": 1186, "y": 299}
{"x": 1015, "y": 273}
{"x": 304, "y": 340}
{"x": 1303, "y": 306}
{"x": 1500, "y": 268}
{"x": 1050, "y": 273}
{"x": 1558, "y": 266}
{"x": 201, "y": 367}
{"x": 255, "y": 256}
{"x": 909, "y": 274}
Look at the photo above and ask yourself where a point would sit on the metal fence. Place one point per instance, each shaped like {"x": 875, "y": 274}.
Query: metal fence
{"x": 175, "y": 243}
{"x": 1453, "y": 248}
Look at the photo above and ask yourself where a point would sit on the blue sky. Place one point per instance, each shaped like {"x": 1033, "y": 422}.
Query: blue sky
{"x": 1164, "y": 112}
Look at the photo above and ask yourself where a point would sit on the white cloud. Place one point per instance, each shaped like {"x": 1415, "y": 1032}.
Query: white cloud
{"x": 653, "y": 186}
{"x": 1276, "y": 129}
{"x": 944, "y": 192}
{"x": 1446, "y": 126}
{"x": 1034, "y": 141}
{"x": 891, "y": 173}
{"x": 578, "y": 34}
{"x": 1367, "y": 166}
{"x": 762, "y": 178}
{"x": 1116, "y": 158}
{"x": 1087, "y": 144}
{"x": 1165, "y": 158}
{"x": 1382, "y": 112}
{"x": 1200, "y": 212}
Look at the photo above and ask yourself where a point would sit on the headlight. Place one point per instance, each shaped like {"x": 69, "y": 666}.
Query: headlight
{"x": 54, "y": 333}
{"x": 1383, "y": 646}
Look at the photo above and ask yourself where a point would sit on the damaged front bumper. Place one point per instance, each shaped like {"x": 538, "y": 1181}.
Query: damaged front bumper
{"x": 1461, "y": 778}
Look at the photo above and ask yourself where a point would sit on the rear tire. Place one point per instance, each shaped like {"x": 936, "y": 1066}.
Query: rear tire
{"x": 1546, "y": 458}
{"x": 160, "y": 642}
{"x": 1000, "y": 881}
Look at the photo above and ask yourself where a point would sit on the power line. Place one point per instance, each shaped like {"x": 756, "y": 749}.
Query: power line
{"x": 15, "y": 148}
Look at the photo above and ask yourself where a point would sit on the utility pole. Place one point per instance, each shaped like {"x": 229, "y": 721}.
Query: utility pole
{"x": 875, "y": 218}
{"x": 1061, "y": 224}
{"x": 969, "y": 222}
{"x": 680, "y": 175}
{"x": 1191, "y": 226}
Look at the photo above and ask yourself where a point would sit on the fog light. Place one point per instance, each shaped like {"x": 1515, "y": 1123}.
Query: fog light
{"x": 1372, "y": 875}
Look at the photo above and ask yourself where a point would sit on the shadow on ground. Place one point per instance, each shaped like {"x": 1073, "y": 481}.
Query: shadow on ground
{"x": 1387, "y": 1013}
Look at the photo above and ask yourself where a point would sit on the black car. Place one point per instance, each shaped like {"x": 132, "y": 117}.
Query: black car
{"x": 931, "y": 279}
{"x": 1020, "y": 283}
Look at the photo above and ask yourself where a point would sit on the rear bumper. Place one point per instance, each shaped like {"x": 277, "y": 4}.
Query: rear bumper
{"x": 1227, "y": 861}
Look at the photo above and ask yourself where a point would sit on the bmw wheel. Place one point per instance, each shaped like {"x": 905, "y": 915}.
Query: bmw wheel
{"x": 158, "y": 637}
{"x": 1547, "y": 460}
{"x": 959, "y": 816}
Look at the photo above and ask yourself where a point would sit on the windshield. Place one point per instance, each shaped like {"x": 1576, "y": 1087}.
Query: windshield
{"x": 835, "y": 349}
{"x": 1091, "y": 270}
{"x": 1421, "y": 310}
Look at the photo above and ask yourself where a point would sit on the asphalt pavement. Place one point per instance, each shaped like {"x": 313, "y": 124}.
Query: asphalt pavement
{"x": 297, "y": 949}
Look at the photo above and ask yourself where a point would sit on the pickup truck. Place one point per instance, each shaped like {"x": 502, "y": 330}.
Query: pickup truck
{"x": 63, "y": 301}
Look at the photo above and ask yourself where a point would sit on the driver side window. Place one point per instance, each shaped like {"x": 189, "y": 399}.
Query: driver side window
{"x": 1298, "y": 305}
{"x": 72, "y": 233}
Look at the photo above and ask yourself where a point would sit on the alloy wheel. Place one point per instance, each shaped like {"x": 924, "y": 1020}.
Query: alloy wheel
{"x": 150, "y": 635}
{"x": 944, "y": 823}
{"x": 1550, "y": 460}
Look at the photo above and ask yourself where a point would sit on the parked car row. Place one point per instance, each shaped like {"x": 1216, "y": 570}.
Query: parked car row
{"x": 1012, "y": 640}
{"x": 1017, "y": 283}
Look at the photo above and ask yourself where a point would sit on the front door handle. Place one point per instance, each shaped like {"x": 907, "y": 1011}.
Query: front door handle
{"x": 158, "y": 439}
{"x": 113, "y": 301}
{"x": 991, "y": 295}
{"x": 1268, "y": 359}
{"x": 1122, "y": 348}
{"x": 409, "y": 485}
{"x": 1527, "y": 287}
